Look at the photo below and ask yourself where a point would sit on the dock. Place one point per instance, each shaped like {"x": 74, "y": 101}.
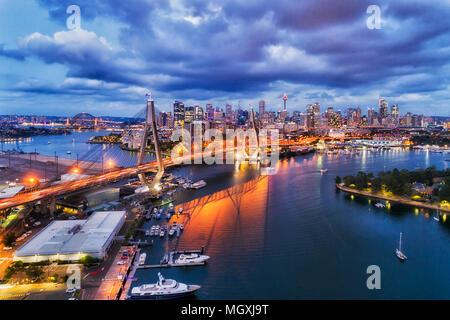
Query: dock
{"x": 167, "y": 265}
{"x": 170, "y": 262}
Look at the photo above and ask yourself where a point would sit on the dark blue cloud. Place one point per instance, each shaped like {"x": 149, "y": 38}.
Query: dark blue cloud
{"x": 13, "y": 54}
{"x": 248, "y": 47}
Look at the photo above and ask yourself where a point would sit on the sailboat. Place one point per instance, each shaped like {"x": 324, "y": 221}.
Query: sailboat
{"x": 398, "y": 251}
{"x": 436, "y": 217}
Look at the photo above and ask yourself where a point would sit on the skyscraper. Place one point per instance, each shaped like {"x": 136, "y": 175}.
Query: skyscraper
{"x": 370, "y": 116}
{"x": 262, "y": 108}
{"x": 395, "y": 112}
{"x": 178, "y": 112}
{"x": 383, "y": 109}
{"x": 309, "y": 117}
{"x": 198, "y": 113}
{"x": 189, "y": 114}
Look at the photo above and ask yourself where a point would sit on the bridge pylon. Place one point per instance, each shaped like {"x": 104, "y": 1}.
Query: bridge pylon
{"x": 255, "y": 127}
{"x": 150, "y": 120}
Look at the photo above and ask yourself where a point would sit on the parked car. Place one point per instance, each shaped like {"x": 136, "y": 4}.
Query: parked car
{"x": 7, "y": 248}
{"x": 71, "y": 290}
{"x": 37, "y": 223}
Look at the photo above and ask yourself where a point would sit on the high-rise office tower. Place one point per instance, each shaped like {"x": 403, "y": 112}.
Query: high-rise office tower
{"x": 383, "y": 108}
{"x": 370, "y": 116}
{"x": 262, "y": 108}
{"x": 395, "y": 112}
{"x": 309, "y": 116}
{"x": 189, "y": 114}
{"x": 178, "y": 112}
{"x": 316, "y": 107}
{"x": 198, "y": 113}
{"x": 209, "y": 111}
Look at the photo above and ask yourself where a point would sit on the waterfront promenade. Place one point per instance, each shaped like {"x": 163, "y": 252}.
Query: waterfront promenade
{"x": 401, "y": 200}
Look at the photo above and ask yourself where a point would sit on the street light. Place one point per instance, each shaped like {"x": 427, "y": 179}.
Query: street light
{"x": 110, "y": 163}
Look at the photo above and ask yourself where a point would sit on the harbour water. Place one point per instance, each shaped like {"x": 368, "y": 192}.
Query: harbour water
{"x": 76, "y": 143}
{"x": 292, "y": 235}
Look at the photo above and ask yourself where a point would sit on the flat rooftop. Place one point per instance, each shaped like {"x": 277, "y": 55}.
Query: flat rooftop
{"x": 73, "y": 236}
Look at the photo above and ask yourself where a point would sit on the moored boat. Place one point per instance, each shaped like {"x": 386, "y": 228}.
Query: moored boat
{"x": 193, "y": 258}
{"x": 163, "y": 289}
{"x": 142, "y": 258}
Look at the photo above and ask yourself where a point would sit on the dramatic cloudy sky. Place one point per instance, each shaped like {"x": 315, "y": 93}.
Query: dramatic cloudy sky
{"x": 230, "y": 51}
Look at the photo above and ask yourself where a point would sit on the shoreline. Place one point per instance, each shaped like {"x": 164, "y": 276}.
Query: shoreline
{"x": 404, "y": 201}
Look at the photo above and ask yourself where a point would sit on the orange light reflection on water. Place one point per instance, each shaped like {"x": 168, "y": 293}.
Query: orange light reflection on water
{"x": 212, "y": 220}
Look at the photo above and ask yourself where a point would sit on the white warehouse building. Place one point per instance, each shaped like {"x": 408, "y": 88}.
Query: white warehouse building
{"x": 72, "y": 239}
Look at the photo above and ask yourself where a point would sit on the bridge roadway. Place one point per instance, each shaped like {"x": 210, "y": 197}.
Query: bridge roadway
{"x": 68, "y": 187}
{"x": 72, "y": 186}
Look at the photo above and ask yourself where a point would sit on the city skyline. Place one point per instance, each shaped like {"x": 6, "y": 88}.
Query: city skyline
{"x": 121, "y": 52}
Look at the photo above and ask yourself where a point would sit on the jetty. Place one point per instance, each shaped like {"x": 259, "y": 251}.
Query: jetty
{"x": 171, "y": 263}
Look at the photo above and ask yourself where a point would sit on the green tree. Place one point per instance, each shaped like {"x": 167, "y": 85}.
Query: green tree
{"x": 338, "y": 180}
{"x": 376, "y": 185}
{"x": 88, "y": 260}
{"x": 349, "y": 180}
{"x": 34, "y": 272}
{"x": 9, "y": 239}
{"x": 444, "y": 193}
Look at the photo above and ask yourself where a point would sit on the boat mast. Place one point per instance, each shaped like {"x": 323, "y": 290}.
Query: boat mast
{"x": 400, "y": 243}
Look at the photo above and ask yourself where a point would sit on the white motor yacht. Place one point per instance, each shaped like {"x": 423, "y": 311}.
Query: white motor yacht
{"x": 192, "y": 258}
{"x": 198, "y": 184}
{"x": 163, "y": 289}
{"x": 142, "y": 258}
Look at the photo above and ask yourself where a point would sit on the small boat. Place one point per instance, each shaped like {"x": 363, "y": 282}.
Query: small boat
{"x": 49, "y": 142}
{"x": 436, "y": 217}
{"x": 180, "y": 211}
{"x": 142, "y": 258}
{"x": 198, "y": 184}
{"x": 192, "y": 258}
{"x": 69, "y": 152}
{"x": 181, "y": 226}
{"x": 162, "y": 233}
{"x": 168, "y": 215}
{"x": 158, "y": 216}
{"x": 171, "y": 232}
{"x": 398, "y": 251}
{"x": 380, "y": 205}
{"x": 147, "y": 233}
{"x": 73, "y": 140}
{"x": 163, "y": 289}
